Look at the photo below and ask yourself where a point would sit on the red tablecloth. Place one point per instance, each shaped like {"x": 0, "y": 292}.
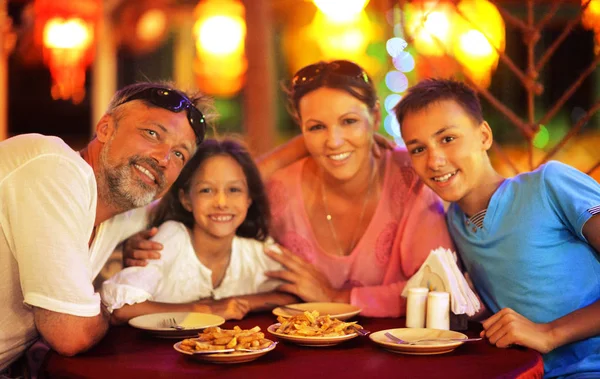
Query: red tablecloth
{"x": 129, "y": 353}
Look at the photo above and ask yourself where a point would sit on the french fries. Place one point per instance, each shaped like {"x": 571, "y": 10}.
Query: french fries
{"x": 215, "y": 338}
{"x": 310, "y": 324}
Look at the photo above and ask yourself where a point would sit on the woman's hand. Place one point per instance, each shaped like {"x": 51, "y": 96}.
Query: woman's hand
{"x": 138, "y": 248}
{"x": 229, "y": 309}
{"x": 508, "y": 327}
{"x": 303, "y": 279}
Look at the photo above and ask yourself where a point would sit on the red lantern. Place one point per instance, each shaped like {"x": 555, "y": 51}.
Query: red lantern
{"x": 65, "y": 29}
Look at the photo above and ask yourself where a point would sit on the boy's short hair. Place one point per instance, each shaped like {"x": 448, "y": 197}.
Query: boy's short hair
{"x": 432, "y": 90}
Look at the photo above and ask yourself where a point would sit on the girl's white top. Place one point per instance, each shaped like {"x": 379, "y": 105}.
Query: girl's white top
{"x": 179, "y": 277}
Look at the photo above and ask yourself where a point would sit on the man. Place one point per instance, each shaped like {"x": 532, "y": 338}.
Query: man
{"x": 530, "y": 243}
{"x": 61, "y": 213}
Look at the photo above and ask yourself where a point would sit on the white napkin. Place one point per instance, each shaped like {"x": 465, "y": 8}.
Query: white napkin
{"x": 440, "y": 273}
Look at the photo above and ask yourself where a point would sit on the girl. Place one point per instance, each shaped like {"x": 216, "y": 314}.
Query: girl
{"x": 214, "y": 227}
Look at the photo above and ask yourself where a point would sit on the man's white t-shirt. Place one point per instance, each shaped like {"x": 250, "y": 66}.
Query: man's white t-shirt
{"x": 48, "y": 201}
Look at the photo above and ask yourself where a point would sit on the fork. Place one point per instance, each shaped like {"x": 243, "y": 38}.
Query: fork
{"x": 403, "y": 342}
{"x": 172, "y": 323}
{"x": 360, "y": 331}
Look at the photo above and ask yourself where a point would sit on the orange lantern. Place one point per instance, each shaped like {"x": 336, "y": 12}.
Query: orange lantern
{"x": 430, "y": 25}
{"x": 65, "y": 30}
{"x": 591, "y": 19}
{"x": 220, "y": 32}
{"x": 479, "y": 36}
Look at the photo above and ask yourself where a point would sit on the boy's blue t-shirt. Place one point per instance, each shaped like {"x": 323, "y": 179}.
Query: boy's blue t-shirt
{"x": 531, "y": 255}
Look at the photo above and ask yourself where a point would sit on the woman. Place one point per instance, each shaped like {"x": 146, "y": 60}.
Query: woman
{"x": 359, "y": 226}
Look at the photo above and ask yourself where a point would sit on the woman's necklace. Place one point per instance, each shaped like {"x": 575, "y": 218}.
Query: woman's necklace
{"x": 360, "y": 218}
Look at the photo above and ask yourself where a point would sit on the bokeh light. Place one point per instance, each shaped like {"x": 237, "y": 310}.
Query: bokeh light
{"x": 429, "y": 24}
{"x": 151, "y": 25}
{"x": 341, "y": 10}
{"x": 395, "y": 46}
{"x": 390, "y": 102}
{"x": 67, "y": 34}
{"x": 221, "y": 34}
{"x": 396, "y": 81}
{"x": 542, "y": 137}
{"x": 404, "y": 62}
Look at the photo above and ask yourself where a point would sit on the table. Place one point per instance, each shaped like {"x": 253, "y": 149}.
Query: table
{"x": 126, "y": 352}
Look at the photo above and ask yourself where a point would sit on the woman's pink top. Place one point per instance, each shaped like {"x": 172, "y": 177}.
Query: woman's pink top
{"x": 407, "y": 224}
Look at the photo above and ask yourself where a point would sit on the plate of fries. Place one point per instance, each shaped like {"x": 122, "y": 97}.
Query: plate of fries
{"x": 235, "y": 345}
{"x": 341, "y": 311}
{"x": 311, "y": 329}
{"x": 189, "y": 323}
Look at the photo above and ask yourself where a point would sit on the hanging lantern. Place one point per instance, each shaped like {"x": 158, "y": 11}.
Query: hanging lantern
{"x": 341, "y": 11}
{"x": 65, "y": 30}
{"x": 476, "y": 42}
{"x": 141, "y": 27}
{"x": 430, "y": 26}
{"x": 591, "y": 19}
{"x": 220, "y": 32}
{"x": 327, "y": 39}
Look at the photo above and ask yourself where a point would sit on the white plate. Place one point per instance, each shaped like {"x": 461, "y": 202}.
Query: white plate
{"x": 310, "y": 341}
{"x": 192, "y": 322}
{"x": 227, "y": 358}
{"x": 413, "y": 334}
{"x": 341, "y": 311}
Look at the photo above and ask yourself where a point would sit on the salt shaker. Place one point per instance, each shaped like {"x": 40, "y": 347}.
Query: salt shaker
{"x": 438, "y": 310}
{"x": 415, "y": 307}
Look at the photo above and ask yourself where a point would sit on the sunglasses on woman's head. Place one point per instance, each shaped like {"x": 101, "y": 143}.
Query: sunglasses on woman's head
{"x": 174, "y": 102}
{"x": 342, "y": 68}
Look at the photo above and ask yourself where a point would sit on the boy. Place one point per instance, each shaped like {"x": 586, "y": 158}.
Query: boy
{"x": 530, "y": 243}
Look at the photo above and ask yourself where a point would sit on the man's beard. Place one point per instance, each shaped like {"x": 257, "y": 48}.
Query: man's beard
{"x": 120, "y": 187}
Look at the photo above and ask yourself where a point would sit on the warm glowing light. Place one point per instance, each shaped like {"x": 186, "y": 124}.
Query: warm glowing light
{"x": 151, "y": 25}
{"x": 341, "y": 10}
{"x": 430, "y": 25}
{"x": 475, "y": 44}
{"x": 437, "y": 24}
{"x": 479, "y": 36}
{"x": 593, "y": 8}
{"x": 591, "y": 20}
{"x": 324, "y": 39}
{"x": 67, "y": 34}
{"x": 337, "y": 40}
{"x": 221, "y": 34}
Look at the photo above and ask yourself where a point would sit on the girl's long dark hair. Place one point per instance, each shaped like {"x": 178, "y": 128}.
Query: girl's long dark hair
{"x": 256, "y": 224}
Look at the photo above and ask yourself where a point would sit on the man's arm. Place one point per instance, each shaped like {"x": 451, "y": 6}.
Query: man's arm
{"x": 295, "y": 149}
{"x": 68, "y": 334}
{"x": 281, "y": 156}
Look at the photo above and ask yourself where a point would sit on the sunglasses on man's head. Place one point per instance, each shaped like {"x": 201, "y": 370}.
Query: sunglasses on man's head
{"x": 174, "y": 102}
{"x": 342, "y": 68}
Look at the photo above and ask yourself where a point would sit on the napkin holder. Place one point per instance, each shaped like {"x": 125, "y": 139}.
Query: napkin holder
{"x": 459, "y": 322}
